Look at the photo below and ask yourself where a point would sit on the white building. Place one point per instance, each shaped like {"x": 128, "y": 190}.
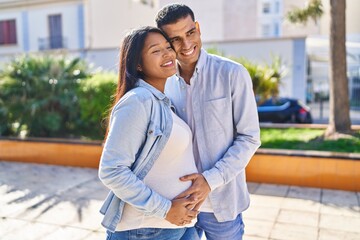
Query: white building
{"x": 93, "y": 29}
{"x": 38, "y": 25}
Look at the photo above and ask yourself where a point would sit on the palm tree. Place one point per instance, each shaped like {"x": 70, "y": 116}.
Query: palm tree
{"x": 339, "y": 114}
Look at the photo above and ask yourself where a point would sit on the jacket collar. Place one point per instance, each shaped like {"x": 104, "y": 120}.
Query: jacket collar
{"x": 159, "y": 95}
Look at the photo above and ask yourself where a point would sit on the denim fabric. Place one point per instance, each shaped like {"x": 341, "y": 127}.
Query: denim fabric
{"x": 227, "y": 129}
{"x": 140, "y": 126}
{"x": 214, "y": 230}
{"x": 155, "y": 234}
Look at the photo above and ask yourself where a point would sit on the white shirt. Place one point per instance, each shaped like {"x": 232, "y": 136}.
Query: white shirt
{"x": 175, "y": 161}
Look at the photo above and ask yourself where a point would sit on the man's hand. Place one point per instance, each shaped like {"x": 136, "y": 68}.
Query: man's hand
{"x": 179, "y": 214}
{"x": 198, "y": 191}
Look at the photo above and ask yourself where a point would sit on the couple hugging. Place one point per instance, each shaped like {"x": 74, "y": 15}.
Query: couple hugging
{"x": 182, "y": 129}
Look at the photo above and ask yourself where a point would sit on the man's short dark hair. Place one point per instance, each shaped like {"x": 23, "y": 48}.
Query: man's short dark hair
{"x": 171, "y": 13}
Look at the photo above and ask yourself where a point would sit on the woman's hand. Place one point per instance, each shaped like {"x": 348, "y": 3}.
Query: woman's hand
{"x": 179, "y": 214}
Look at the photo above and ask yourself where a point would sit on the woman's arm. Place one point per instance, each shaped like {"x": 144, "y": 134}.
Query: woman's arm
{"x": 127, "y": 134}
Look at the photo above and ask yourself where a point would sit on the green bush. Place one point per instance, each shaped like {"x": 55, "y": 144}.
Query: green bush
{"x": 95, "y": 98}
{"x": 52, "y": 96}
{"x": 266, "y": 78}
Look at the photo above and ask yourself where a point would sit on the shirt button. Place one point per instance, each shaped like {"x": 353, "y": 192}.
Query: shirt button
{"x": 183, "y": 109}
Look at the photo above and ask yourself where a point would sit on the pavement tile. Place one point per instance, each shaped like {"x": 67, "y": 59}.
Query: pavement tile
{"x": 339, "y": 210}
{"x": 95, "y": 236}
{"x": 54, "y": 202}
{"x": 88, "y": 216}
{"x": 30, "y": 231}
{"x": 327, "y": 234}
{"x": 305, "y": 193}
{"x": 340, "y": 203}
{"x": 252, "y": 187}
{"x": 265, "y": 201}
{"x": 18, "y": 201}
{"x": 254, "y": 238}
{"x": 340, "y": 198}
{"x": 258, "y": 228}
{"x": 301, "y": 205}
{"x": 64, "y": 233}
{"x": 92, "y": 189}
{"x": 286, "y": 231}
{"x": 8, "y": 225}
{"x": 272, "y": 190}
{"x": 341, "y": 223}
{"x": 80, "y": 213}
{"x": 261, "y": 213}
{"x": 299, "y": 218}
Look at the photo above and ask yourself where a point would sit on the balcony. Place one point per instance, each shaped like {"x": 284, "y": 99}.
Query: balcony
{"x": 52, "y": 43}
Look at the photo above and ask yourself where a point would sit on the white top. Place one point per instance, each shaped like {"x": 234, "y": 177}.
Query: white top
{"x": 175, "y": 161}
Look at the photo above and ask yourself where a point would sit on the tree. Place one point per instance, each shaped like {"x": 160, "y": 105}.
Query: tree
{"x": 339, "y": 114}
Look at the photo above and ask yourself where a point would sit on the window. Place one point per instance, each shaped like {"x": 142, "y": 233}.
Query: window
{"x": 277, "y": 7}
{"x": 55, "y": 31}
{"x": 265, "y": 29}
{"x": 276, "y": 30}
{"x": 8, "y": 32}
{"x": 266, "y": 7}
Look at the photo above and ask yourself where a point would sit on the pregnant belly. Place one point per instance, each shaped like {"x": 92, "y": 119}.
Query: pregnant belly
{"x": 169, "y": 186}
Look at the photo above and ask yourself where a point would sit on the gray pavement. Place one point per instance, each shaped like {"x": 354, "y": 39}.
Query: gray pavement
{"x": 45, "y": 202}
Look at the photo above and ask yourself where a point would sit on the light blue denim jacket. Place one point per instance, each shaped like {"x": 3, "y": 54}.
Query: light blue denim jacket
{"x": 140, "y": 126}
{"x": 227, "y": 128}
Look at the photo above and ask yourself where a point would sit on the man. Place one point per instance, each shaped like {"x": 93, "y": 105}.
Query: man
{"x": 215, "y": 97}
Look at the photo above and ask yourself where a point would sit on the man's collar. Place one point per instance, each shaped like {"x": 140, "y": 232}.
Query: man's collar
{"x": 201, "y": 61}
{"x": 199, "y": 65}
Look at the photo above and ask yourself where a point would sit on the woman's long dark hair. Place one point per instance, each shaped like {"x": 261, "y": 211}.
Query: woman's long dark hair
{"x": 130, "y": 59}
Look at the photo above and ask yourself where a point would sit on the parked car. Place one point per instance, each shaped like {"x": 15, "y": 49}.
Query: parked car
{"x": 284, "y": 110}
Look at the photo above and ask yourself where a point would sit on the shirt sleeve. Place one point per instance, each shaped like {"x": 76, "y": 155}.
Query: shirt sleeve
{"x": 127, "y": 134}
{"x": 246, "y": 128}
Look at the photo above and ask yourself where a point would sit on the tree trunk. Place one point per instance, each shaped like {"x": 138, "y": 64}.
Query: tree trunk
{"x": 339, "y": 114}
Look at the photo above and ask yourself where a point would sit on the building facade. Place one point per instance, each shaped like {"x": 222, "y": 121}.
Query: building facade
{"x": 254, "y": 29}
{"x": 40, "y": 25}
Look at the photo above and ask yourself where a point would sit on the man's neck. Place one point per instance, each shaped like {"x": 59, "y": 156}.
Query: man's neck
{"x": 186, "y": 71}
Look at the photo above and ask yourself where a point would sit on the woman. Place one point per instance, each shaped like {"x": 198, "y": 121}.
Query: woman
{"x": 147, "y": 148}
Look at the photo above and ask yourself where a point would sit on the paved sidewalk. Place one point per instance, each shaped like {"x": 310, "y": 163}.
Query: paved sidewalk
{"x": 44, "y": 202}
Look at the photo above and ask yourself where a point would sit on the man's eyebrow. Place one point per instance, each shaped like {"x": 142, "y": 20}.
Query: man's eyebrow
{"x": 191, "y": 29}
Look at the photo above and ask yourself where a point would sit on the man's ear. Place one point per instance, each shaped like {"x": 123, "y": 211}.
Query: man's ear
{"x": 197, "y": 25}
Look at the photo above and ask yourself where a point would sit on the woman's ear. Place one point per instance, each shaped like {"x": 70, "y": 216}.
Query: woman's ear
{"x": 139, "y": 68}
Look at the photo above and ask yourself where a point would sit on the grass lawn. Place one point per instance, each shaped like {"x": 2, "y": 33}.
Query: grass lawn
{"x": 306, "y": 139}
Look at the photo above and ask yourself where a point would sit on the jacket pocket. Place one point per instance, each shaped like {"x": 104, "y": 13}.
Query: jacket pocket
{"x": 153, "y": 135}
